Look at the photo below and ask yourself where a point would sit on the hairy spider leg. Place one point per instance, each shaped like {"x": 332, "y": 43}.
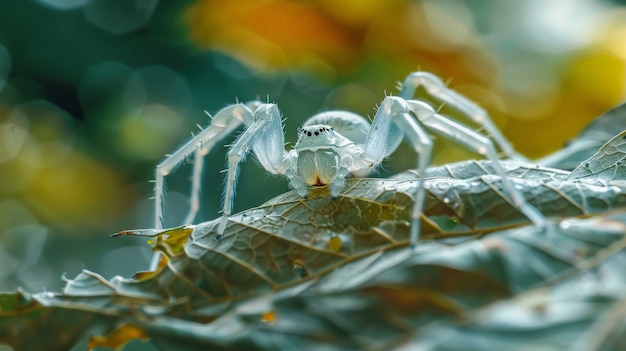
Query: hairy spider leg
{"x": 265, "y": 136}
{"x": 441, "y": 92}
{"x": 198, "y": 163}
{"x": 222, "y": 124}
{"x": 464, "y": 136}
{"x": 380, "y": 143}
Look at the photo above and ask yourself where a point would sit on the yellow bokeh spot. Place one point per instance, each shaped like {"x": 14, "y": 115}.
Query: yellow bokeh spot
{"x": 334, "y": 244}
{"x": 150, "y": 134}
{"x": 269, "y": 317}
{"x": 77, "y": 192}
{"x": 597, "y": 75}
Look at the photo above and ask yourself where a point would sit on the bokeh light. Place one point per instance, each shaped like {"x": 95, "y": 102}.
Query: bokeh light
{"x": 119, "y": 16}
{"x": 143, "y": 109}
{"x": 64, "y": 4}
{"x": 5, "y": 65}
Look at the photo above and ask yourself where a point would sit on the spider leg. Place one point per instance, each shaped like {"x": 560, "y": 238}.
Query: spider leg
{"x": 441, "y": 92}
{"x": 395, "y": 110}
{"x": 462, "y": 135}
{"x": 265, "y": 137}
{"x": 196, "y": 177}
{"x": 223, "y": 123}
{"x": 291, "y": 171}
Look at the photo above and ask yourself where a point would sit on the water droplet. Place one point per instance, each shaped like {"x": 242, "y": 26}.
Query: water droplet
{"x": 489, "y": 178}
{"x": 509, "y": 166}
{"x": 447, "y": 200}
{"x": 443, "y": 185}
{"x": 459, "y": 209}
{"x": 462, "y": 186}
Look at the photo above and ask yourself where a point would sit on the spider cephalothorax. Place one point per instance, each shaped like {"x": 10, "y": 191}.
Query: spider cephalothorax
{"x": 334, "y": 144}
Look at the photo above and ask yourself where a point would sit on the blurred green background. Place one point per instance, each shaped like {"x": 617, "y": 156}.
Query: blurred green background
{"x": 93, "y": 94}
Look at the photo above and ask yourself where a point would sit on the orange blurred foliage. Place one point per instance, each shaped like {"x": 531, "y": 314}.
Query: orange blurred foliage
{"x": 118, "y": 338}
{"x": 381, "y": 41}
{"x": 338, "y": 36}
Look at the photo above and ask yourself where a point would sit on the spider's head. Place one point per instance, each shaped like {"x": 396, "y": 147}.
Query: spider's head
{"x": 314, "y": 130}
{"x": 317, "y": 136}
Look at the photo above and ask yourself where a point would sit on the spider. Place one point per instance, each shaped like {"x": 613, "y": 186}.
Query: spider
{"x": 335, "y": 144}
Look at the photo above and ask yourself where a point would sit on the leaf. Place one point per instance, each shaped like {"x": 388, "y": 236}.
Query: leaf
{"x": 582, "y": 308}
{"x": 339, "y": 274}
{"x": 379, "y": 301}
{"x": 606, "y": 164}
{"x": 118, "y": 338}
{"x": 289, "y": 240}
{"x": 49, "y": 321}
{"x": 598, "y": 132}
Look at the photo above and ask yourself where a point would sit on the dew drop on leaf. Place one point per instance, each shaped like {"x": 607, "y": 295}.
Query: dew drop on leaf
{"x": 443, "y": 185}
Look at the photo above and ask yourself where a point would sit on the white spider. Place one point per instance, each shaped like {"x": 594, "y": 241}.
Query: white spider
{"x": 334, "y": 144}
